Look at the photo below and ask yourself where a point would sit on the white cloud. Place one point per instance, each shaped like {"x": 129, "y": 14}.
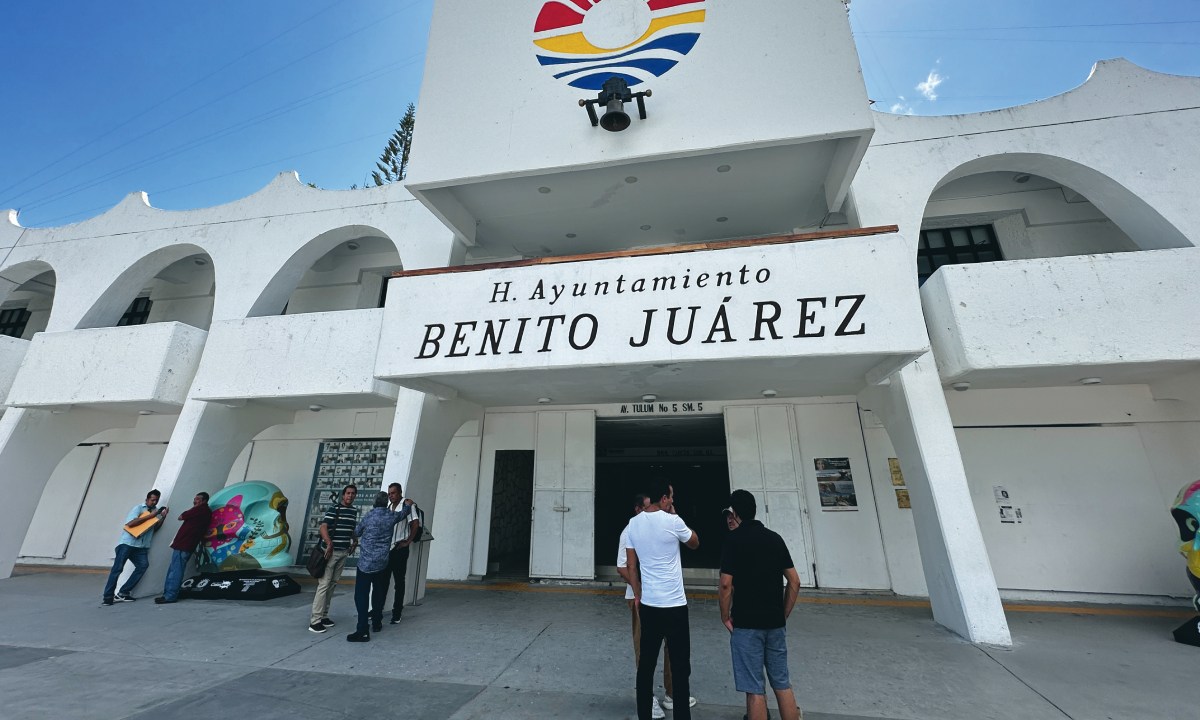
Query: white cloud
{"x": 901, "y": 108}
{"x": 928, "y": 87}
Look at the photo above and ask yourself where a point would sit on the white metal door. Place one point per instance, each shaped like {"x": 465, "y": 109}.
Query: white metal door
{"x": 760, "y": 443}
{"x": 564, "y": 489}
{"x": 57, "y": 512}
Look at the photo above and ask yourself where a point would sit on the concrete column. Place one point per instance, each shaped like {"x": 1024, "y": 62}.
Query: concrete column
{"x": 206, "y": 441}
{"x": 32, "y": 444}
{"x": 962, "y": 588}
{"x": 421, "y": 433}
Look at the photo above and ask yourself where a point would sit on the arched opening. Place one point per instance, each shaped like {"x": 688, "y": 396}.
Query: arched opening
{"x": 343, "y": 269}
{"x": 1016, "y": 207}
{"x": 26, "y": 298}
{"x": 172, "y": 284}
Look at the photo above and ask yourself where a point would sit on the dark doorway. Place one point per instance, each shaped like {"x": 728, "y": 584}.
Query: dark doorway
{"x": 512, "y": 514}
{"x": 689, "y": 452}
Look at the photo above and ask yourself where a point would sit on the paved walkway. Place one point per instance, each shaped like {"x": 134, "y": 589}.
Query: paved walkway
{"x": 514, "y": 651}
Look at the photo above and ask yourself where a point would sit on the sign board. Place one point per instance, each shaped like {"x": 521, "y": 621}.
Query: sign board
{"x": 707, "y": 321}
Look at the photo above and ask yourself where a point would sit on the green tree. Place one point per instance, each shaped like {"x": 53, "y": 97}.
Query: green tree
{"x": 393, "y": 163}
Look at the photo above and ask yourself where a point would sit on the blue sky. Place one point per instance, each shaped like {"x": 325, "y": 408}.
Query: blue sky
{"x": 202, "y": 103}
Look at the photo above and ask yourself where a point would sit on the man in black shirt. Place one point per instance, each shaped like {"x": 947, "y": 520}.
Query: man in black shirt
{"x": 755, "y": 607}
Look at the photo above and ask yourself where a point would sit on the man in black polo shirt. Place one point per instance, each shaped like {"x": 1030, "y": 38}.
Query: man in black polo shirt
{"x": 755, "y": 607}
{"x": 337, "y": 532}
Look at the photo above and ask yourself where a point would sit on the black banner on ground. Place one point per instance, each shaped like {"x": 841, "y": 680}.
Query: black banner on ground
{"x": 238, "y": 585}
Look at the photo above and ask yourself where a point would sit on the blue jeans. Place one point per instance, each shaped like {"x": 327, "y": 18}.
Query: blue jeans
{"x": 175, "y": 573}
{"x": 370, "y": 588}
{"x": 135, "y": 555}
{"x": 751, "y": 650}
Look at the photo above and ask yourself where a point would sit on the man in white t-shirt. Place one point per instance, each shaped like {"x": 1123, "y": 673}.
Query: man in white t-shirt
{"x": 656, "y": 577}
{"x": 639, "y": 503}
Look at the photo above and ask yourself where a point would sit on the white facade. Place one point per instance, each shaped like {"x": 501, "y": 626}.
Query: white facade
{"x": 265, "y": 335}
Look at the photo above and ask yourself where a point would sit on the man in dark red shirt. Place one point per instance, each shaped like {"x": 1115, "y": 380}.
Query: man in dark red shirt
{"x": 195, "y": 524}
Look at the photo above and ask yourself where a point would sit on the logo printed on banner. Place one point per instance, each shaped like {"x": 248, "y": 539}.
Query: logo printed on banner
{"x": 585, "y": 42}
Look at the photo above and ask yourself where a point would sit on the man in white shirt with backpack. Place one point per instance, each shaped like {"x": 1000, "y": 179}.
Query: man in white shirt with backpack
{"x": 656, "y": 576}
{"x": 402, "y": 540}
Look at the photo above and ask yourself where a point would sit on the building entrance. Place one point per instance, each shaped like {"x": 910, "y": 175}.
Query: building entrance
{"x": 689, "y": 452}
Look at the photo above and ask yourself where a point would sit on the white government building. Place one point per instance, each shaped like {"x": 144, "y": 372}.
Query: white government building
{"x": 1004, "y": 303}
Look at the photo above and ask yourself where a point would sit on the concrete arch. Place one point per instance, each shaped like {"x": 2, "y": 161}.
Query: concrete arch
{"x": 14, "y": 276}
{"x": 1133, "y": 215}
{"x": 281, "y": 285}
{"x": 107, "y": 309}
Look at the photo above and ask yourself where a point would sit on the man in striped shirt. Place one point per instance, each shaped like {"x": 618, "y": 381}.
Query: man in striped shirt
{"x": 337, "y": 532}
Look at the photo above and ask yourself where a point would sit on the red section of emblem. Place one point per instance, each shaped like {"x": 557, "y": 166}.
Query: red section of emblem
{"x": 664, "y": 4}
{"x": 554, "y": 16}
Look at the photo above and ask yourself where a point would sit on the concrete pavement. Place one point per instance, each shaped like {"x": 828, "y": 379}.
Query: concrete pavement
{"x": 520, "y": 651}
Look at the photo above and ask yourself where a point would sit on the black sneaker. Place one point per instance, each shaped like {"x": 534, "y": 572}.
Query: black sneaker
{"x": 327, "y": 623}
{"x": 317, "y": 628}
{"x": 106, "y": 602}
{"x": 160, "y": 600}
{"x": 124, "y": 598}
{"x": 396, "y": 620}
{"x": 359, "y": 637}
{"x": 376, "y": 626}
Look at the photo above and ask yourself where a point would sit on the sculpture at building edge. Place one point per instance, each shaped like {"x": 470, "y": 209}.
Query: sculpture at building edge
{"x": 1186, "y": 511}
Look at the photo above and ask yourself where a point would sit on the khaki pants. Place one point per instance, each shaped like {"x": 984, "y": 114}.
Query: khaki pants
{"x": 637, "y": 649}
{"x": 333, "y": 573}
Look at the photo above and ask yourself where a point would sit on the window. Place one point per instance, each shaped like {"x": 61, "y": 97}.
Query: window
{"x": 13, "y": 321}
{"x": 955, "y": 246}
{"x": 137, "y": 314}
{"x": 383, "y": 289}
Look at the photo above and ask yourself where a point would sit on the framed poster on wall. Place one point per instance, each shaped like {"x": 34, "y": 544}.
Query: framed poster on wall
{"x": 835, "y": 482}
{"x": 341, "y": 463}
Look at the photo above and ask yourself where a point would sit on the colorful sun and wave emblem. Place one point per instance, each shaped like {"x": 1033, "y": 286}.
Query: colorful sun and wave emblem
{"x": 585, "y": 42}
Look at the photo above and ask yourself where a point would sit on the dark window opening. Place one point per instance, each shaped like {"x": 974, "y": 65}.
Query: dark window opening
{"x": 137, "y": 314}
{"x": 13, "y": 321}
{"x": 956, "y": 246}
{"x": 689, "y": 452}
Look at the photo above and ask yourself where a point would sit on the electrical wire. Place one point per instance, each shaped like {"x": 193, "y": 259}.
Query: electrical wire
{"x": 164, "y": 101}
{"x": 228, "y": 130}
{"x": 373, "y": 24}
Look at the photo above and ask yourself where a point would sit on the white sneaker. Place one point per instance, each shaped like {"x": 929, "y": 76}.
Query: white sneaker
{"x": 656, "y": 710}
{"x": 669, "y": 704}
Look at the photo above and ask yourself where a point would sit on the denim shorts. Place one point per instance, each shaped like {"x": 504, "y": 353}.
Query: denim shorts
{"x": 754, "y": 649}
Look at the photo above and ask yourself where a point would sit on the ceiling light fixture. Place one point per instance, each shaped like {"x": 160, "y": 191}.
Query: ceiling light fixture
{"x": 769, "y": 393}
{"x": 200, "y": 261}
{"x": 722, "y": 219}
{"x": 544, "y": 190}
{"x": 1021, "y": 178}
{"x": 351, "y": 245}
{"x": 631, "y": 179}
{"x": 145, "y": 412}
{"x": 316, "y": 408}
{"x": 961, "y": 386}
{"x": 543, "y": 401}
{"x": 649, "y": 397}
{"x": 645, "y": 227}
{"x": 1090, "y": 381}
{"x": 723, "y": 168}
